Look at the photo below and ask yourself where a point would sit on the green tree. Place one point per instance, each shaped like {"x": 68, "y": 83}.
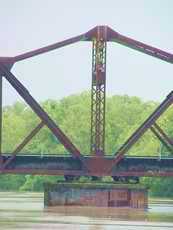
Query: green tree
{"x": 72, "y": 114}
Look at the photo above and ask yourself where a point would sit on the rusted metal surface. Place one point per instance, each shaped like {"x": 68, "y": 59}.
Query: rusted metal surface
{"x": 141, "y": 47}
{"x": 49, "y": 48}
{"x": 98, "y": 92}
{"x": 164, "y": 135}
{"x": 112, "y": 36}
{"x": 63, "y": 165}
{"x": 139, "y": 199}
{"x": 33, "y": 171}
{"x": 98, "y": 195}
{"x": 98, "y": 164}
{"x": 162, "y": 139}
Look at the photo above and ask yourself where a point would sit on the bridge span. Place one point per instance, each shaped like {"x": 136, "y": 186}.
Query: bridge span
{"x": 98, "y": 163}
{"x": 68, "y": 165}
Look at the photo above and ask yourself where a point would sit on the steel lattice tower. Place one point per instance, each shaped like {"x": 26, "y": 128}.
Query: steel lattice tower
{"x": 98, "y": 92}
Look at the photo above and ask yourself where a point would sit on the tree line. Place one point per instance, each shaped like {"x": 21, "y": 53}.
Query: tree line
{"x": 72, "y": 114}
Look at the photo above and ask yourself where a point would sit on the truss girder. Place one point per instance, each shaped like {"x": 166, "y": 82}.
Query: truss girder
{"x": 99, "y": 36}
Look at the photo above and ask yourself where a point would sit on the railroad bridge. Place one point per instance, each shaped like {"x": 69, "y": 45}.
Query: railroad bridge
{"x": 97, "y": 162}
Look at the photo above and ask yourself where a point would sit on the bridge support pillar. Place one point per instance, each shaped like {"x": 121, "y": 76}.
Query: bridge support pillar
{"x": 96, "y": 194}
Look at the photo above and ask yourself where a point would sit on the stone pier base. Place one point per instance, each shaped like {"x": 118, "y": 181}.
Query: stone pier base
{"x": 96, "y": 194}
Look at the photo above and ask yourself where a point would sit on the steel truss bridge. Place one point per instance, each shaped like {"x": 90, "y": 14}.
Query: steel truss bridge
{"x": 97, "y": 163}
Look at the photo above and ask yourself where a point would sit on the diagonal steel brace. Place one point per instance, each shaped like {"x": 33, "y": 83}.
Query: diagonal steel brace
{"x": 164, "y": 135}
{"x": 23, "y": 92}
{"x": 143, "y": 128}
{"x": 49, "y": 48}
{"x": 160, "y": 137}
{"x": 23, "y": 144}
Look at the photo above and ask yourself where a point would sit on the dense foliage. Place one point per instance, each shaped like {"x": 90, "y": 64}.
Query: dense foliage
{"x": 123, "y": 115}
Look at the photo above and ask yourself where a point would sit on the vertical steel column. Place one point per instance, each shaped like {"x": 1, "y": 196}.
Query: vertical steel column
{"x": 98, "y": 92}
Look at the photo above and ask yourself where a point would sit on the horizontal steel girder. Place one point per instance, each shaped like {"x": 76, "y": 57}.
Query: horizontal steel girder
{"x": 67, "y": 165}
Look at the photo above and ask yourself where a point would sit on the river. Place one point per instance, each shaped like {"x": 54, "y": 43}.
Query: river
{"x": 26, "y": 211}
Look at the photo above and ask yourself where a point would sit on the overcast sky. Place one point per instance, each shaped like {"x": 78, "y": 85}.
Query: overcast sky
{"x": 30, "y": 24}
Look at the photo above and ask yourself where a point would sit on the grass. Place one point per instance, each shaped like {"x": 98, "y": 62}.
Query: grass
{"x": 92, "y": 185}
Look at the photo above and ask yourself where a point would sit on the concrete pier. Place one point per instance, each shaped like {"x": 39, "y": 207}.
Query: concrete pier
{"x": 96, "y": 194}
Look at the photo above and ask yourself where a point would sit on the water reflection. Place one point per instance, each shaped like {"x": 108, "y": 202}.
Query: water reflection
{"x": 26, "y": 211}
{"x": 100, "y": 213}
{"x": 96, "y": 228}
{"x": 154, "y": 213}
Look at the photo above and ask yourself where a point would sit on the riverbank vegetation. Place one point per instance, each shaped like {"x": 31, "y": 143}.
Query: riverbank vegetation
{"x": 123, "y": 115}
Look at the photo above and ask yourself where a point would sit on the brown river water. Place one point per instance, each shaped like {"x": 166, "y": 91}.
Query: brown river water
{"x": 26, "y": 211}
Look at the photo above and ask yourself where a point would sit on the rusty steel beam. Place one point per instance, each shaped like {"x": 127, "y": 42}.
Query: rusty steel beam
{"x": 112, "y": 36}
{"x": 23, "y": 144}
{"x": 143, "y": 128}
{"x": 98, "y": 92}
{"x": 165, "y": 136}
{"x": 141, "y": 47}
{"x": 23, "y": 92}
{"x": 83, "y": 173}
{"x": 7, "y": 61}
{"x": 67, "y": 165}
{"x": 32, "y": 171}
{"x": 48, "y": 48}
{"x": 157, "y": 134}
{"x": 55, "y": 165}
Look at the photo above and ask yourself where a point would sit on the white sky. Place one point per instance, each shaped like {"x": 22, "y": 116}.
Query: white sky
{"x": 31, "y": 24}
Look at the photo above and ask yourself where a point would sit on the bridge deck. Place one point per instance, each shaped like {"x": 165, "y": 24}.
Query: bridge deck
{"x": 68, "y": 165}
